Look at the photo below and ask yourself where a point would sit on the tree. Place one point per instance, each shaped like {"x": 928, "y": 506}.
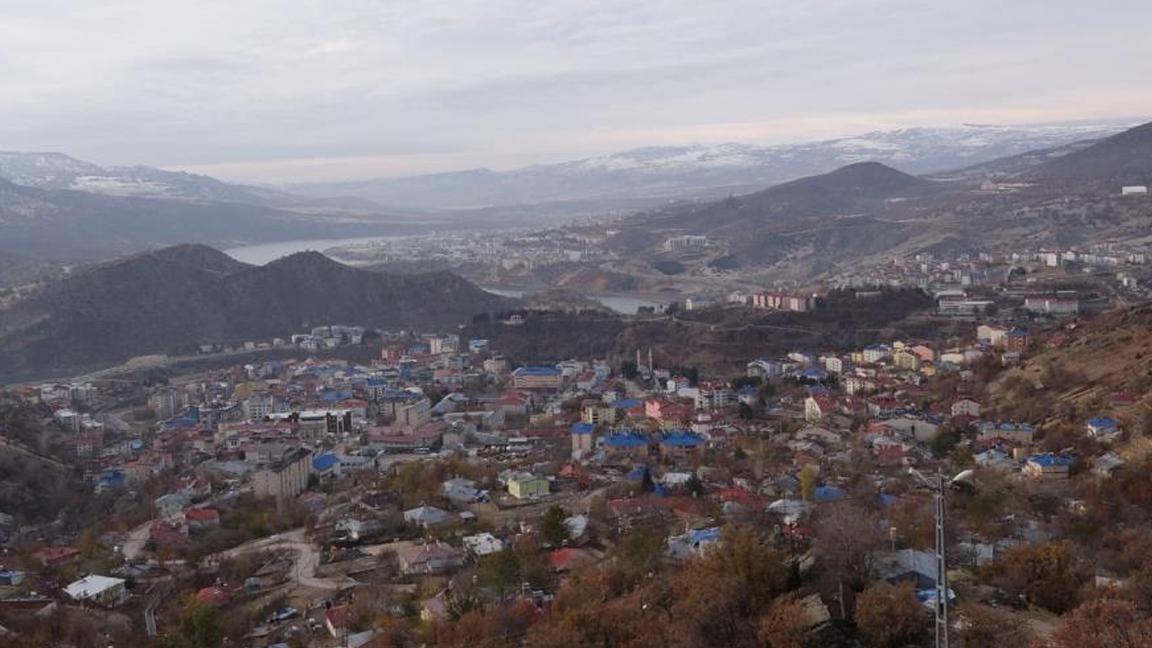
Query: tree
{"x": 890, "y": 616}
{"x": 552, "y": 526}
{"x": 807, "y": 484}
{"x": 637, "y": 554}
{"x": 784, "y": 625}
{"x": 1104, "y": 623}
{"x": 199, "y": 628}
{"x": 847, "y": 537}
{"x": 1048, "y": 574}
{"x": 985, "y": 627}
{"x": 499, "y": 571}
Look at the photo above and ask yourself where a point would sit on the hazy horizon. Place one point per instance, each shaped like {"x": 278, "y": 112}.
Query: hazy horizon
{"x": 354, "y": 90}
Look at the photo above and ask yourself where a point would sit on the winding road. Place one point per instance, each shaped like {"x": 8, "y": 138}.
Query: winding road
{"x": 303, "y": 569}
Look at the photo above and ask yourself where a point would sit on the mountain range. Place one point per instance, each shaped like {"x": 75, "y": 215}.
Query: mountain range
{"x": 865, "y": 211}
{"x": 172, "y": 299}
{"x": 58, "y": 207}
{"x": 711, "y": 170}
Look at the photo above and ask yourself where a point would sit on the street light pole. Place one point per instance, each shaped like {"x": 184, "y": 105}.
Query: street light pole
{"x": 939, "y": 489}
{"x": 941, "y": 567}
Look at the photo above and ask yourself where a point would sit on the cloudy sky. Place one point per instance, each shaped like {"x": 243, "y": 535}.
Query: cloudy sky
{"x": 268, "y": 90}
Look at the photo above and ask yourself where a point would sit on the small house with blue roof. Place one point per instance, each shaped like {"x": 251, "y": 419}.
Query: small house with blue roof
{"x": 1048, "y": 466}
{"x": 1104, "y": 428}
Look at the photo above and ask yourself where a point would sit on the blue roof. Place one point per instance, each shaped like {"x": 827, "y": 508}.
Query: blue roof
{"x": 681, "y": 439}
{"x": 625, "y": 440}
{"x": 705, "y": 535}
{"x": 660, "y": 490}
{"x": 334, "y": 395}
{"x": 325, "y": 461}
{"x": 1103, "y": 422}
{"x": 582, "y": 428}
{"x": 536, "y": 371}
{"x": 637, "y": 473}
{"x": 1046, "y": 460}
{"x": 828, "y": 493}
{"x": 627, "y": 403}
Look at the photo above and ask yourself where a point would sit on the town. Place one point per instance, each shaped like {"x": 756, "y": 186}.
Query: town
{"x": 443, "y": 492}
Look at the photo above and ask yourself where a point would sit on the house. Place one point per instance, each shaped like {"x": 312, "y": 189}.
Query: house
{"x": 460, "y": 491}
{"x": 104, "y": 591}
{"x": 1018, "y": 433}
{"x": 1048, "y": 466}
{"x": 426, "y": 516}
{"x": 1017, "y": 340}
{"x": 817, "y": 407}
{"x": 199, "y": 519}
{"x": 56, "y": 556}
{"x": 692, "y": 544}
{"x": 483, "y": 544}
{"x": 214, "y": 597}
{"x": 565, "y": 559}
{"x": 908, "y": 565}
{"x": 966, "y": 407}
{"x": 527, "y": 485}
{"x": 1107, "y": 465}
{"x": 11, "y": 578}
{"x": 170, "y": 505}
{"x": 991, "y": 334}
{"x": 1103, "y": 428}
{"x": 428, "y": 559}
{"x": 919, "y": 429}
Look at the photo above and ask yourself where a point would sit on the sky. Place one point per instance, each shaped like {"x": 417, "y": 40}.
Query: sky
{"x": 275, "y": 91}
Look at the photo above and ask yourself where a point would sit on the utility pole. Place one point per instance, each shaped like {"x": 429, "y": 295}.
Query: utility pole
{"x": 939, "y": 490}
{"x": 941, "y": 567}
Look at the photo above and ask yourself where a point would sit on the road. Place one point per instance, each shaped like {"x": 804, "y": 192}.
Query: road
{"x": 303, "y": 567}
{"x": 136, "y": 540}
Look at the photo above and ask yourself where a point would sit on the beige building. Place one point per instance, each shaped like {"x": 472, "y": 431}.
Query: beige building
{"x": 286, "y": 478}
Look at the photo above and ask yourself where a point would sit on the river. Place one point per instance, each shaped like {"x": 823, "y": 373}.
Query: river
{"x": 268, "y": 252}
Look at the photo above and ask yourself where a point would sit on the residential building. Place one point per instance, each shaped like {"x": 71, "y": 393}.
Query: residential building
{"x": 1051, "y": 467}
{"x": 527, "y": 485}
{"x": 104, "y": 591}
{"x": 284, "y": 479}
{"x": 537, "y": 378}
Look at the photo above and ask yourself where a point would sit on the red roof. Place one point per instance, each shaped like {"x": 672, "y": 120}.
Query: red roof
{"x": 337, "y": 617}
{"x": 567, "y": 558}
{"x": 50, "y": 555}
{"x": 201, "y": 515}
{"x": 213, "y": 596}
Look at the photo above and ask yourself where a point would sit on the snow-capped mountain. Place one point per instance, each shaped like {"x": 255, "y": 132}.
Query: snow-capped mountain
{"x": 711, "y": 169}
{"x": 60, "y": 171}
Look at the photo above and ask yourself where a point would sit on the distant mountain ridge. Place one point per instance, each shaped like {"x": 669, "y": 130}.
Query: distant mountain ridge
{"x": 174, "y": 298}
{"x": 60, "y": 171}
{"x": 687, "y": 171}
